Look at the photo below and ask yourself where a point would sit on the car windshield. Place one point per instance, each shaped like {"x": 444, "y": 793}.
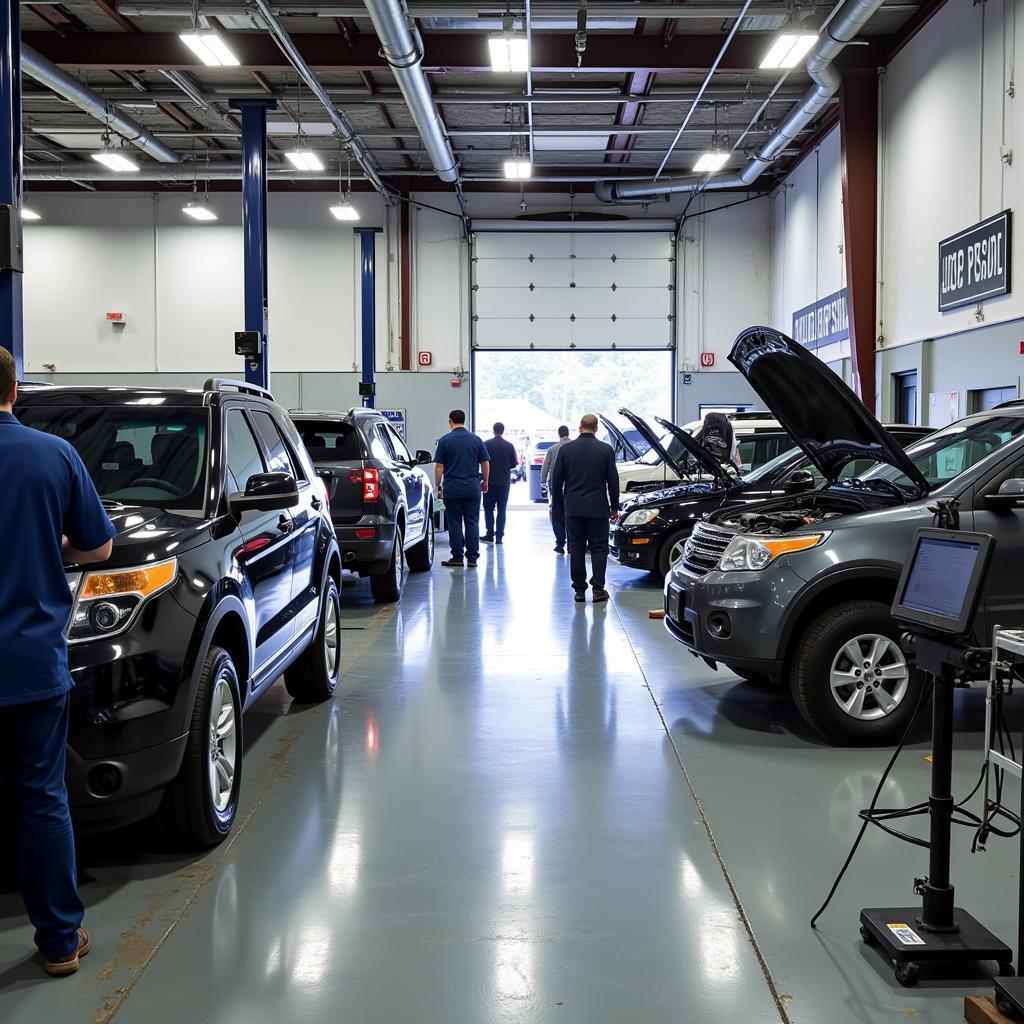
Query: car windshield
{"x": 136, "y": 455}
{"x": 670, "y": 443}
{"x": 953, "y": 450}
{"x": 769, "y": 469}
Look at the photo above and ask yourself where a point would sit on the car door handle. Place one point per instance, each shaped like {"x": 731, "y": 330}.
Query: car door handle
{"x": 284, "y": 524}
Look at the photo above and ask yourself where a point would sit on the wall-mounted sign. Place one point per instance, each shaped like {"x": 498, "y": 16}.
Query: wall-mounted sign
{"x": 943, "y": 408}
{"x": 975, "y": 264}
{"x": 824, "y": 322}
{"x": 116, "y": 318}
{"x": 396, "y": 417}
{"x": 425, "y": 358}
{"x": 707, "y": 360}
{"x": 687, "y": 378}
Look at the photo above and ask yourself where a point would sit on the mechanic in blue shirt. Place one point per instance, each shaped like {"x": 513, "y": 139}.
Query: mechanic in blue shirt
{"x": 51, "y": 515}
{"x": 462, "y": 471}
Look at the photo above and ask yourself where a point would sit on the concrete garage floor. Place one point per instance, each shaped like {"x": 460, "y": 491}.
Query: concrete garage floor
{"x": 505, "y": 816}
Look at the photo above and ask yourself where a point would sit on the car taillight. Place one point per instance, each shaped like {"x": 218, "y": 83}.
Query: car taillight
{"x": 370, "y": 479}
{"x": 538, "y": 460}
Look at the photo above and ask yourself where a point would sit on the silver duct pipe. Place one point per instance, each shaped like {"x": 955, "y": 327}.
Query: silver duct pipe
{"x": 402, "y": 48}
{"x": 842, "y": 29}
{"x": 44, "y": 71}
{"x": 288, "y": 48}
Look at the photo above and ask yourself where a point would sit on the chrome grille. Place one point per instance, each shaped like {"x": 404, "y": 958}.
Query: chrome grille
{"x": 705, "y": 547}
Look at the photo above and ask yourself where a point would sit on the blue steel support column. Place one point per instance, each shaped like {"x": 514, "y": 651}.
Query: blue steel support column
{"x": 254, "y": 230}
{"x": 367, "y": 281}
{"x": 11, "y": 323}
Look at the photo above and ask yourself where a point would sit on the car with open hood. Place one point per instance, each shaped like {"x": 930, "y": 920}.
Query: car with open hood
{"x": 225, "y": 575}
{"x": 653, "y": 527}
{"x": 798, "y": 589}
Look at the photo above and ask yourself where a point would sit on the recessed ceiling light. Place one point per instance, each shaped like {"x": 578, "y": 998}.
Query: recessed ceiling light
{"x": 115, "y": 161}
{"x": 344, "y": 210}
{"x": 304, "y": 160}
{"x": 199, "y": 210}
{"x": 509, "y": 52}
{"x": 27, "y": 214}
{"x": 210, "y": 49}
{"x": 711, "y": 162}
{"x": 516, "y": 170}
{"x": 788, "y": 50}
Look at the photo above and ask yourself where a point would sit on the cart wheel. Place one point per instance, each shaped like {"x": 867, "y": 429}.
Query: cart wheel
{"x": 1006, "y": 969}
{"x": 1003, "y": 1005}
{"x": 868, "y": 936}
{"x": 906, "y": 974}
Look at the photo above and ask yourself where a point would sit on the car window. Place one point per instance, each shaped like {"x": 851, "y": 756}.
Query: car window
{"x": 757, "y": 449}
{"x": 330, "y": 440}
{"x": 280, "y": 458}
{"x": 380, "y": 448}
{"x": 398, "y": 445}
{"x": 244, "y": 458}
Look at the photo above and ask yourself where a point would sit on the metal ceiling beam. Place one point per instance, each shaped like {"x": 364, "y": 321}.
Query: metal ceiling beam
{"x": 629, "y": 115}
{"x": 552, "y": 53}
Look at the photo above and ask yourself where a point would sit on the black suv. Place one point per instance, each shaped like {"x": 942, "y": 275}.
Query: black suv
{"x": 224, "y": 575}
{"x": 382, "y": 502}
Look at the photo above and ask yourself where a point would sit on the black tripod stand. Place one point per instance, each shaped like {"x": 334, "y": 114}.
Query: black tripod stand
{"x": 937, "y": 931}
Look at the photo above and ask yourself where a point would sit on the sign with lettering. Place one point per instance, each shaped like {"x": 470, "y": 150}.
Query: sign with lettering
{"x": 823, "y": 322}
{"x": 975, "y": 264}
{"x": 396, "y": 417}
{"x": 707, "y": 360}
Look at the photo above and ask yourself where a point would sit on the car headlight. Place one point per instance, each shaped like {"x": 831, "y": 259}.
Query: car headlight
{"x": 753, "y": 553}
{"x": 641, "y": 517}
{"x": 106, "y": 602}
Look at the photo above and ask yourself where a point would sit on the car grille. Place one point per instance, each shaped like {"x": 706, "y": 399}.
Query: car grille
{"x": 705, "y": 547}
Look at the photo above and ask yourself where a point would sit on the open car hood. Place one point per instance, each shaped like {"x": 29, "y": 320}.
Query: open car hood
{"x": 699, "y": 453}
{"x": 654, "y": 441}
{"x": 628, "y": 448}
{"x": 825, "y": 418}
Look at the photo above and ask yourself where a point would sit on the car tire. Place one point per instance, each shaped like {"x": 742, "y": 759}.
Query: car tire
{"x": 825, "y": 674}
{"x": 198, "y": 809}
{"x": 313, "y": 677}
{"x": 386, "y": 587}
{"x": 672, "y": 544}
{"x": 420, "y": 557}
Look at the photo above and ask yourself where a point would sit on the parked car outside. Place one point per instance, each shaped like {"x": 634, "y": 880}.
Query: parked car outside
{"x": 534, "y": 462}
{"x": 225, "y": 573}
{"x": 799, "y": 589}
{"x": 382, "y": 502}
{"x": 653, "y": 527}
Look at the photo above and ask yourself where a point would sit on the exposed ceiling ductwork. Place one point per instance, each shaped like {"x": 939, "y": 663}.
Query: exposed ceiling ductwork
{"x": 71, "y": 172}
{"x": 70, "y": 88}
{"x": 402, "y": 48}
{"x": 842, "y": 29}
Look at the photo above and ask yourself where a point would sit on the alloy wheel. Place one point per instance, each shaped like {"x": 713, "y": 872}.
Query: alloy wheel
{"x": 869, "y": 677}
{"x": 223, "y": 744}
{"x": 332, "y": 637}
{"x": 676, "y": 552}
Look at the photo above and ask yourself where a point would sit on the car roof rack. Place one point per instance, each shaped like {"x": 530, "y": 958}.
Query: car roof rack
{"x": 226, "y": 384}
{"x": 1015, "y": 404}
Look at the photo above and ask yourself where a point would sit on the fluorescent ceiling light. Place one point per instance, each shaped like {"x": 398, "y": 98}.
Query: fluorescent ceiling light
{"x": 518, "y": 169}
{"x": 509, "y": 52}
{"x": 344, "y": 210}
{"x": 27, "y": 214}
{"x": 304, "y": 160}
{"x": 115, "y": 161}
{"x": 137, "y": 104}
{"x": 198, "y": 210}
{"x": 788, "y": 50}
{"x": 210, "y": 49}
{"x": 711, "y": 162}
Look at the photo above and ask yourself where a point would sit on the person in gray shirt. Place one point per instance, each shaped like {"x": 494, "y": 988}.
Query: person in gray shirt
{"x": 555, "y": 511}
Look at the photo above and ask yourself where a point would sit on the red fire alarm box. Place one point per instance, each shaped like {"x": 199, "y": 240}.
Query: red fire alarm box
{"x": 116, "y": 318}
{"x": 707, "y": 360}
{"x": 426, "y": 359}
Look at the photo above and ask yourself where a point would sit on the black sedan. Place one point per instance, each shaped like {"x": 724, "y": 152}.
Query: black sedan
{"x": 653, "y": 528}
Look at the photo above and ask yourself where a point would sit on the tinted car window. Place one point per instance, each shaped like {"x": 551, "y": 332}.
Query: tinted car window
{"x": 330, "y": 439}
{"x": 244, "y": 456}
{"x": 280, "y": 460}
{"x": 398, "y": 445}
{"x": 379, "y": 446}
{"x": 150, "y": 455}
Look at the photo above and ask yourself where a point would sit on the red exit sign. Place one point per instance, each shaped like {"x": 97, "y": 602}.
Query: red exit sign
{"x": 116, "y": 318}
{"x": 707, "y": 360}
{"x": 426, "y": 359}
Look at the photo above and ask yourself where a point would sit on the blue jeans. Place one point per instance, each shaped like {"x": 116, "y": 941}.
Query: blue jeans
{"x": 495, "y": 498}
{"x": 463, "y": 508}
{"x": 32, "y": 754}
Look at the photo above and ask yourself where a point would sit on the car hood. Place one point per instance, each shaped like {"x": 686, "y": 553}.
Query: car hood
{"x": 146, "y": 534}
{"x": 653, "y": 440}
{"x": 699, "y": 453}
{"x": 628, "y": 448}
{"x": 825, "y": 418}
{"x": 672, "y": 495}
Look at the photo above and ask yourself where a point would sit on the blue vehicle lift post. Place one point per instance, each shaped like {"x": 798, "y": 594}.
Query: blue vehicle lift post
{"x": 367, "y": 281}
{"x": 11, "y": 308}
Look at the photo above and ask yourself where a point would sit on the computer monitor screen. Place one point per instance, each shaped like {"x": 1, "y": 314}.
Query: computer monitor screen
{"x": 941, "y": 580}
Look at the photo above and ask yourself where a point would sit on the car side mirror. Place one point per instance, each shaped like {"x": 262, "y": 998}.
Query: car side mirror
{"x": 266, "y": 492}
{"x": 423, "y": 458}
{"x": 800, "y": 480}
{"x": 1009, "y": 496}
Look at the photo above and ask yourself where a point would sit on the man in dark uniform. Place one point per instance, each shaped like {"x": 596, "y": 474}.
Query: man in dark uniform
{"x": 463, "y": 466}
{"x": 52, "y": 515}
{"x": 504, "y": 458}
{"x": 585, "y": 489}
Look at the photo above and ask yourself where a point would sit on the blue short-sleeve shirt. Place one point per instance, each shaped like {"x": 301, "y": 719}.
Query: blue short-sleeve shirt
{"x": 45, "y": 493}
{"x": 461, "y": 453}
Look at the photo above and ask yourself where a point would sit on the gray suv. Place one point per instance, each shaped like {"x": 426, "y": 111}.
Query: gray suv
{"x": 798, "y": 589}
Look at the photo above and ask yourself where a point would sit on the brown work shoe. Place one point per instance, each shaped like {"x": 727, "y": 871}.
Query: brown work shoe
{"x": 69, "y": 964}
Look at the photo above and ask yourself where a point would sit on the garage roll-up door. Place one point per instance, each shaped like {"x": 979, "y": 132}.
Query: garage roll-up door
{"x": 589, "y": 289}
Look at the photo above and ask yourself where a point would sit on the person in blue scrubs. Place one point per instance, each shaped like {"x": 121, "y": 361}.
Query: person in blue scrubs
{"x": 52, "y": 516}
{"x": 463, "y": 466}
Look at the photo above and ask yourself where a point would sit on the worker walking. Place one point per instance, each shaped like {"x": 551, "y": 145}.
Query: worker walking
{"x": 504, "y": 459}
{"x": 585, "y": 487}
{"x": 555, "y": 514}
{"x": 461, "y": 474}
{"x": 52, "y": 515}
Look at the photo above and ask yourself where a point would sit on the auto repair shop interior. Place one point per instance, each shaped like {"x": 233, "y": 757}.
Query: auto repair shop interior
{"x": 253, "y": 253}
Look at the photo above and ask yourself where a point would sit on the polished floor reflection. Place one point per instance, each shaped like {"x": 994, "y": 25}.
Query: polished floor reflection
{"x": 505, "y": 816}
